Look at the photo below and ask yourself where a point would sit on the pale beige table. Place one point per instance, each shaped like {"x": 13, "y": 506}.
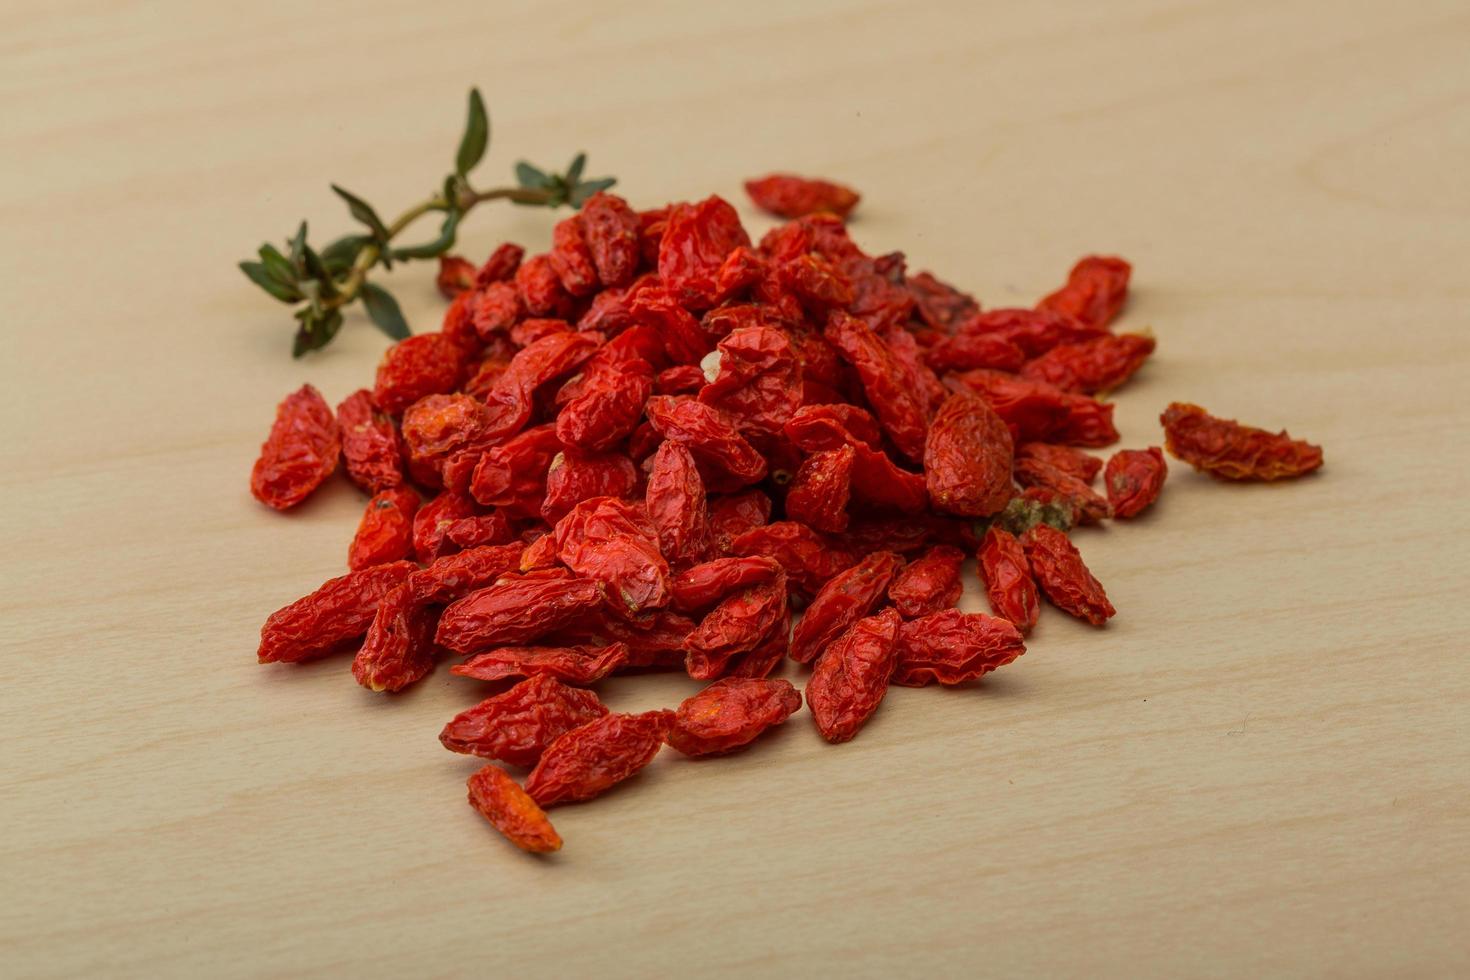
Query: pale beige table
{"x": 1260, "y": 767}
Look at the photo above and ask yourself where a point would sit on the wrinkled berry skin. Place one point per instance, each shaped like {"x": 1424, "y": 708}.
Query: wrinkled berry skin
{"x": 1006, "y": 575}
{"x": 371, "y": 448}
{"x": 790, "y": 196}
{"x": 385, "y": 532}
{"x": 852, "y": 676}
{"x": 1095, "y": 291}
{"x": 588, "y": 761}
{"x": 1133, "y": 480}
{"x": 1063, "y": 576}
{"x": 950, "y": 647}
{"x": 967, "y": 458}
{"x": 518, "y": 725}
{"x": 730, "y": 714}
{"x": 1226, "y": 449}
{"x": 512, "y": 811}
{"x": 300, "y": 452}
{"x": 335, "y": 614}
{"x": 425, "y": 364}
{"x": 930, "y": 583}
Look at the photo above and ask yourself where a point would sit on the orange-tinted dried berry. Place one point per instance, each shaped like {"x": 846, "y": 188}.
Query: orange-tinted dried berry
{"x": 1134, "y": 478}
{"x": 435, "y": 428}
{"x": 613, "y": 543}
{"x": 951, "y": 647}
{"x": 696, "y": 240}
{"x": 571, "y": 258}
{"x": 497, "y": 307}
{"x": 1063, "y": 576}
{"x": 575, "y": 476}
{"x": 399, "y": 646}
{"x": 737, "y": 625}
{"x": 385, "y": 532}
{"x": 730, "y": 714}
{"x": 808, "y": 558}
{"x": 901, "y": 411}
{"x": 676, "y": 504}
{"x": 611, "y": 228}
{"x": 455, "y": 576}
{"x": 332, "y": 616}
{"x": 1231, "y": 451}
{"x": 589, "y": 760}
{"x": 300, "y": 452}
{"x": 518, "y": 725}
{"x": 790, "y": 196}
{"x": 851, "y": 677}
{"x": 1006, "y": 575}
{"x": 481, "y": 529}
{"x": 512, "y": 811}
{"x": 540, "y": 288}
{"x": 434, "y": 519}
{"x": 701, "y": 586}
{"x": 820, "y": 491}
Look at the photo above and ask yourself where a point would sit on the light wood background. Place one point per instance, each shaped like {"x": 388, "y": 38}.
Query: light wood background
{"x": 1259, "y": 768}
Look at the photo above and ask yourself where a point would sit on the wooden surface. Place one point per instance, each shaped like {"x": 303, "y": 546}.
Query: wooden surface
{"x": 1259, "y": 768}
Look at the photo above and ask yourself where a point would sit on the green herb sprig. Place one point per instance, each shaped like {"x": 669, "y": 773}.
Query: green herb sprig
{"x": 322, "y": 283}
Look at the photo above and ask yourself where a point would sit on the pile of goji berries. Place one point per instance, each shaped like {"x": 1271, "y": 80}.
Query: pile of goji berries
{"x": 647, "y": 448}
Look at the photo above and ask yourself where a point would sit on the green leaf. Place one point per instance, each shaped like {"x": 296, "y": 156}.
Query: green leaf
{"x": 438, "y": 246}
{"x": 587, "y": 188}
{"x": 384, "y": 311}
{"x": 363, "y": 212}
{"x": 298, "y": 246}
{"x": 277, "y": 264}
{"x": 258, "y": 273}
{"x": 316, "y": 330}
{"x": 532, "y": 177}
{"x": 339, "y": 256}
{"x": 476, "y": 136}
{"x": 574, "y": 171}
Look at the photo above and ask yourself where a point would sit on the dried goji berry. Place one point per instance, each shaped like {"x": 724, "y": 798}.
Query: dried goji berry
{"x": 971, "y": 349}
{"x": 822, "y": 428}
{"x": 580, "y": 665}
{"x": 845, "y": 599}
{"x": 1101, "y": 364}
{"x": 1039, "y": 412}
{"x": 851, "y": 677}
{"x": 515, "y": 471}
{"x": 540, "y": 288}
{"x": 608, "y": 405}
{"x": 456, "y": 275}
{"x": 334, "y": 615}
{"x": 572, "y": 258}
{"x": 676, "y": 503}
{"x": 808, "y": 559}
{"x": 518, "y": 725}
{"x": 425, "y": 364}
{"x": 589, "y": 760}
{"x": 1134, "y": 478}
{"x": 370, "y": 446}
{"x": 700, "y": 586}
{"x": 819, "y": 493}
{"x": 679, "y": 379}
{"x": 502, "y": 264}
{"x": 790, "y": 196}
{"x": 921, "y": 377}
{"x": 399, "y": 646}
{"x": 735, "y": 626}
{"x": 929, "y": 583}
{"x": 1006, "y": 575}
{"x": 1088, "y": 506}
{"x": 939, "y": 304}
{"x": 497, "y": 307}
{"x": 612, "y": 542}
{"x": 611, "y": 230}
{"x": 454, "y": 576}
{"x": 900, "y": 410}
{"x": 437, "y": 427}
{"x": 509, "y": 402}
{"x": 1034, "y": 332}
{"x": 512, "y": 811}
{"x": 732, "y": 515}
{"x": 481, "y": 529}
{"x": 432, "y": 522}
{"x": 575, "y": 476}
{"x": 950, "y": 647}
{"x": 757, "y": 378}
{"x": 1063, "y": 576}
{"x": 530, "y": 330}
{"x": 515, "y": 610}
{"x": 300, "y": 452}
{"x": 654, "y": 306}
{"x": 1071, "y": 461}
{"x": 385, "y": 532}
{"x": 1095, "y": 291}
{"x": 967, "y": 458}
{"x": 1231, "y": 451}
{"x": 727, "y": 461}
{"x": 730, "y": 714}
{"x": 696, "y": 240}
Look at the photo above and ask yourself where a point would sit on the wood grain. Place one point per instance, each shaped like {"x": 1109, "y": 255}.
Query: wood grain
{"x": 1260, "y": 768}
